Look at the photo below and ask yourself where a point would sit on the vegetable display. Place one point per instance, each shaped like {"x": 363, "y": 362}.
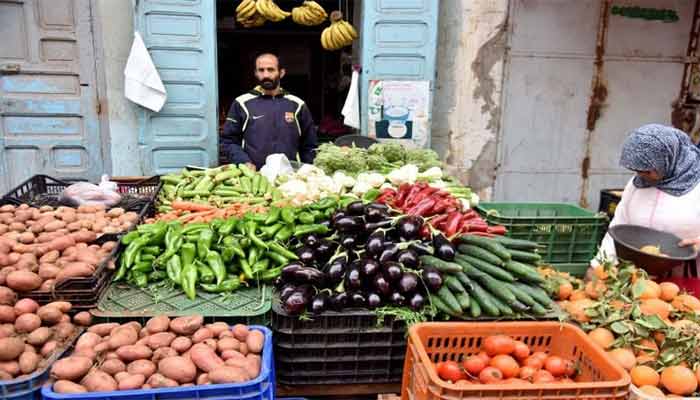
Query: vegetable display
{"x": 380, "y": 157}
{"x": 163, "y": 353}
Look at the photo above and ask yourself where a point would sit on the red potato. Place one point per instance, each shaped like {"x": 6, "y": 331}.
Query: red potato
{"x": 232, "y": 355}
{"x": 103, "y": 329}
{"x": 240, "y": 332}
{"x": 111, "y": 355}
{"x": 11, "y": 348}
{"x": 134, "y": 325}
{"x": 120, "y": 376}
{"x": 48, "y": 271}
{"x": 28, "y": 361}
{"x": 71, "y": 368}
{"x": 143, "y": 367}
{"x": 227, "y": 334}
{"x": 228, "y": 343}
{"x": 54, "y": 226}
{"x": 252, "y": 366}
{"x": 186, "y": 325}
{"x": 143, "y": 341}
{"x": 163, "y": 352}
{"x": 99, "y": 381}
{"x": 49, "y": 315}
{"x": 7, "y": 330}
{"x": 4, "y": 376}
{"x": 7, "y": 314}
{"x": 202, "y": 334}
{"x": 49, "y": 347}
{"x": 181, "y": 344}
{"x": 243, "y": 349}
{"x": 86, "y": 352}
{"x": 203, "y": 379}
{"x": 132, "y": 382}
{"x": 205, "y": 358}
{"x": 178, "y": 369}
{"x": 162, "y": 339}
{"x": 26, "y": 306}
{"x": 102, "y": 347}
{"x": 211, "y": 343}
{"x": 83, "y": 318}
{"x": 11, "y": 367}
{"x": 143, "y": 333}
{"x": 122, "y": 336}
{"x": 64, "y": 306}
{"x": 26, "y": 323}
{"x": 7, "y": 296}
{"x": 23, "y": 281}
{"x": 134, "y": 352}
{"x": 47, "y": 286}
{"x": 75, "y": 269}
{"x": 65, "y": 386}
{"x": 217, "y": 327}
{"x": 159, "y": 381}
{"x": 63, "y": 330}
{"x": 50, "y": 257}
{"x": 39, "y": 336}
{"x": 4, "y": 272}
{"x": 89, "y": 340}
{"x": 61, "y": 243}
{"x": 228, "y": 374}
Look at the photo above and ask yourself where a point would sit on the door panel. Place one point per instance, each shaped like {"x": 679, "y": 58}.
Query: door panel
{"x": 48, "y": 94}
{"x": 181, "y": 38}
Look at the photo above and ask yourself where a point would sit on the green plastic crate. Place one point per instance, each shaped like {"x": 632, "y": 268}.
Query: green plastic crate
{"x": 571, "y": 235}
{"x": 245, "y": 305}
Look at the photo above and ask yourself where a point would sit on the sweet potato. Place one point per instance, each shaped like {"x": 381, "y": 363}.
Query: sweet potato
{"x": 255, "y": 341}
{"x": 203, "y": 379}
{"x": 63, "y": 330}
{"x": 88, "y": 339}
{"x": 75, "y": 270}
{"x": 49, "y": 347}
{"x": 143, "y": 367}
{"x": 39, "y": 336}
{"x": 240, "y": 331}
{"x": 26, "y": 237}
{"x": 252, "y": 366}
{"x": 54, "y": 226}
{"x": 47, "y": 286}
{"x": 102, "y": 347}
{"x": 120, "y": 376}
{"x": 226, "y": 334}
{"x": 134, "y": 325}
{"x": 17, "y": 227}
{"x": 50, "y": 257}
{"x": 103, "y": 329}
{"x": 28, "y": 361}
{"x": 4, "y": 260}
{"x": 231, "y": 354}
{"x": 7, "y": 314}
{"x": 71, "y": 368}
{"x": 10, "y": 348}
{"x": 243, "y": 349}
{"x": 7, "y": 296}
{"x": 186, "y": 325}
{"x": 158, "y": 324}
{"x": 211, "y": 343}
{"x": 162, "y": 339}
{"x": 88, "y": 256}
{"x": 132, "y": 382}
{"x": 134, "y": 352}
{"x": 11, "y": 367}
{"x": 26, "y": 306}
{"x": 64, "y": 306}
{"x": 48, "y": 271}
{"x": 181, "y": 344}
{"x": 228, "y": 343}
{"x": 61, "y": 243}
{"x": 7, "y": 330}
{"x": 177, "y": 368}
{"x": 228, "y": 374}
{"x": 84, "y": 236}
{"x": 201, "y": 335}
{"x": 86, "y": 352}
{"x": 83, "y": 318}
{"x": 99, "y": 381}
{"x": 111, "y": 355}
{"x": 159, "y": 381}
{"x": 122, "y": 336}
{"x": 113, "y": 366}
{"x": 26, "y": 323}
{"x": 49, "y": 315}
{"x": 205, "y": 358}
{"x": 23, "y": 281}
{"x": 163, "y": 352}
{"x": 65, "y": 386}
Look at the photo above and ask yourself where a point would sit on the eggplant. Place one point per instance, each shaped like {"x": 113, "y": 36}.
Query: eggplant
{"x": 381, "y": 284}
{"x": 409, "y": 227}
{"x": 335, "y": 270}
{"x": 309, "y": 275}
{"x": 373, "y": 300}
{"x": 349, "y": 224}
{"x": 375, "y": 243}
{"x": 319, "y": 303}
{"x": 287, "y": 290}
{"x": 289, "y": 270}
{"x": 444, "y": 250}
{"x": 306, "y": 255}
{"x": 392, "y": 271}
{"x": 417, "y": 302}
{"x": 408, "y": 258}
{"x": 389, "y": 252}
{"x": 324, "y": 249}
{"x": 338, "y": 215}
{"x": 397, "y": 299}
{"x": 298, "y": 300}
{"x": 355, "y": 208}
{"x": 358, "y": 299}
{"x": 369, "y": 267}
{"x": 353, "y": 279}
{"x": 408, "y": 283}
{"x": 338, "y": 301}
{"x": 372, "y": 226}
{"x": 327, "y": 223}
{"x": 378, "y": 206}
{"x": 422, "y": 248}
{"x": 375, "y": 215}
{"x": 432, "y": 279}
{"x": 311, "y": 240}
{"x": 348, "y": 242}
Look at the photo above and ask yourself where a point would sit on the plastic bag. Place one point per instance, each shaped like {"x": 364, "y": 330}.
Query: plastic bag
{"x": 88, "y": 194}
{"x": 276, "y": 165}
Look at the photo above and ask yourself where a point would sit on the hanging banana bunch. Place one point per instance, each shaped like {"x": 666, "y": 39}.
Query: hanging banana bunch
{"x": 339, "y": 34}
{"x": 248, "y": 16}
{"x": 270, "y": 10}
{"x": 309, "y": 13}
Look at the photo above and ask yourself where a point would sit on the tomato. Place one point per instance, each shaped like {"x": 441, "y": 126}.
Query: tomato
{"x": 499, "y": 344}
{"x": 541, "y": 355}
{"x": 527, "y": 373}
{"x": 490, "y": 375}
{"x": 506, "y": 364}
{"x": 521, "y": 350}
{"x": 534, "y": 362}
{"x": 542, "y": 376}
{"x": 473, "y": 365}
{"x": 450, "y": 371}
{"x": 484, "y": 357}
{"x": 555, "y": 365}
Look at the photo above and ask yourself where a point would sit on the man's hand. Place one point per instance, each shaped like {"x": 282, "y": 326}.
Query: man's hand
{"x": 690, "y": 242}
{"x": 251, "y": 166}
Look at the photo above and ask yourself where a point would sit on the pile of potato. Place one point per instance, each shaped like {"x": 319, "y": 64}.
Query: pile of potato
{"x": 164, "y": 353}
{"x": 29, "y": 333}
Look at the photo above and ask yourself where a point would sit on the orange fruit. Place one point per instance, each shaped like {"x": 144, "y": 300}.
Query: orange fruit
{"x": 659, "y": 337}
{"x": 602, "y": 337}
{"x": 624, "y": 357}
{"x": 577, "y": 309}
{"x": 506, "y": 364}
{"x": 651, "y": 289}
{"x": 686, "y": 302}
{"x": 600, "y": 273}
{"x": 499, "y": 344}
{"x": 697, "y": 374}
{"x": 578, "y": 295}
{"x": 669, "y": 291}
{"x": 645, "y": 358}
{"x": 595, "y": 289}
{"x": 643, "y": 375}
{"x": 646, "y": 346}
{"x": 619, "y": 304}
{"x": 565, "y": 290}
{"x": 679, "y": 380}
{"x": 655, "y": 307}
{"x": 652, "y": 391}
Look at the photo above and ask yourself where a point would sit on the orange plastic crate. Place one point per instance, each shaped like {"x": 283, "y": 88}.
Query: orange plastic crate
{"x": 430, "y": 343}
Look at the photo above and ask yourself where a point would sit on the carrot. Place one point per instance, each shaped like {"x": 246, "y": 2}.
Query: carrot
{"x": 190, "y": 206}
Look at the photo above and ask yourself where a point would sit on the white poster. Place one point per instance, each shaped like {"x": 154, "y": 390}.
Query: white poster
{"x": 398, "y": 111}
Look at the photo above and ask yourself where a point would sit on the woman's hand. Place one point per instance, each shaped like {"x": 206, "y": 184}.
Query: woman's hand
{"x": 690, "y": 242}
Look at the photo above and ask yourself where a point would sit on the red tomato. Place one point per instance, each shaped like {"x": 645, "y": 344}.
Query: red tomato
{"x": 484, "y": 357}
{"x": 473, "y": 365}
{"x": 450, "y": 371}
{"x": 555, "y": 365}
{"x": 527, "y": 373}
{"x": 499, "y": 344}
{"x": 506, "y": 364}
{"x": 490, "y": 375}
{"x": 543, "y": 376}
{"x": 534, "y": 362}
{"x": 521, "y": 350}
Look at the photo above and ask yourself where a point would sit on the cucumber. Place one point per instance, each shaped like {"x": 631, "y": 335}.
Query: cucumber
{"x": 517, "y": 306}
{"x": 536, "y": 293}
{"x": 440, "y": 265}
{"x": 495, "y": 271}
{"x": 537, "y": 309}
{"x": 521, "y": 295}
{"x": 524, "y": 272}
{"x": 454, "y": 285}
{"x": 485, "y": 301}
{"x": 474, "y": 309}
{"x": 516, "y": 244}
{"x": 465, "y": 281}
{"x": 464, "y": 300}
{"x": 480, "y": 253}
{"x": 502, "y": 307}
{"x": 449, "y": 299}
{"x": 488, "y": 244}
{"x": 440, "y": 305}
{"x": 525, "y": 256}
{"x": 498, "y": 289}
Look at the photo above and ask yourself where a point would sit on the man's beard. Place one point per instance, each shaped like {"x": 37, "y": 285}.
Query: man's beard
{"x": 270, "y": 84}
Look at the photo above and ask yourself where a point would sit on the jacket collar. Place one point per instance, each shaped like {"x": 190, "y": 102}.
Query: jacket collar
{"x": 259, "y": 91}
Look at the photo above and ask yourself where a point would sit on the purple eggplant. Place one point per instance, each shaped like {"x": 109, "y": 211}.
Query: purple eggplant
{"x": 432, "y": 279}
{"x": 416, "y": 302}
{"x": 306, "y": 255}
{"x": 373, "y": 300}
{"x": 289, "y": 270}
{"x": 335, "y": 270}
{"x": 397, "y": 299}
{"x": 378, "y": 206}
{"x": 375, "y": 243}
{"x": 349, "y": 224}
{"x": 369, "y": 267}
{"x": 337, "y": 215}
{"x": 392, "y": 271}
{"x": 421, "y": 248}
{"x": 408, "y": 283}
{"x": 353, "y": 279}
{"x": 348, "y": 242}
{"x": 298, "y": 300}
{"x": 355, "y": 208}
{"x": 409, "y": 227}
{"x": 373, "y": 226}
{"x": 375, "y": 215}
{"x": 309, "y": 275}
{"x": 319, "y": 303}
{"x": 381, "y": 284}
{"x": 338, "y": 301}
{"x": 408, "y": 258}
{"x": 443, "y": 248}
{"x": 311, "y": 240}
{"x": 389, "y": 253}
{"x": 324, "y": 249}
{"x": 358, "y": 299}
{"x": 287, "y": 290}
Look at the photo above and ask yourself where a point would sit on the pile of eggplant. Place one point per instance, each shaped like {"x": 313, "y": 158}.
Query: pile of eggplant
{"x": 370, "y": 257}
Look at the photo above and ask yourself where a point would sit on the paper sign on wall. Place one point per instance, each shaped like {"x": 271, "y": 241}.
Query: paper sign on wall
{"x": 398, "y": 111}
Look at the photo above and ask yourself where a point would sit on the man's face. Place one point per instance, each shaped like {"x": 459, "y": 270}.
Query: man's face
{"x": 268, "y": 73}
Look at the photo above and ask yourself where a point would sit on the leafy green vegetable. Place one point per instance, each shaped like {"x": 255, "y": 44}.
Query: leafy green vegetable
{"x": 380, "y": 157}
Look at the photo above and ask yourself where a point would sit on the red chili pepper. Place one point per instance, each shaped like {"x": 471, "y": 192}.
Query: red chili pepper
{"x": 471, "y": 214}
{"x": 497, "y": 230}
{"x": 425, "y": 231}
{"x": 424, "y": 193}
{"x": 441, "y": 206}
{"x": 452, "y": 224}
{"x": 412, "y": 192}
{"x": 451, "y": 209}
{"x": 438, "y": 219}
{"x": 477, "y": 227}
{"x": 422, "y": 208}
{"x": 404, "y": 188}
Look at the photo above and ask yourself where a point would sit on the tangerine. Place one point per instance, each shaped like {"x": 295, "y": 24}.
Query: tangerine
{"x": 669, "y": 291}
{"x": 624, "y": 357}
{"x": 602, "y": 337}
{"x": 655, "y": 307}
{"x": 679, "y": 380}
{"x": 651, "y": 289}
{"x": 565, "y": 290}
{"x": 643, "y": 375}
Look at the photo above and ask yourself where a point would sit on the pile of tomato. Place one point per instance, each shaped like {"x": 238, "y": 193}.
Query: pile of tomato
{"x": 503, "y": 360}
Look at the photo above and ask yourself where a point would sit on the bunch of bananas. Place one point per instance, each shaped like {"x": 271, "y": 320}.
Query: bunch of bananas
{"x": 339, "y": 34}
{"x": 247, "y": 14}
{"x": 309, "y": 14}
{"x": 270, "y": 10}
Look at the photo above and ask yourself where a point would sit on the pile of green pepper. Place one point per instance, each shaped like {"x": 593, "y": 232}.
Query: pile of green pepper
{"x": 219, "y": 186}
{"x": 219, "y": 256}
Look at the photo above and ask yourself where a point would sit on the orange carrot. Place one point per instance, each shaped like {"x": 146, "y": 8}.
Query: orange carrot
{"x": 190, "y": 206}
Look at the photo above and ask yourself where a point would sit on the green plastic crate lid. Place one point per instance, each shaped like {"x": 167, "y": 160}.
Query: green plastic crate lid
{"x": 122, "y": 300}
{"x": 536, "y": 211}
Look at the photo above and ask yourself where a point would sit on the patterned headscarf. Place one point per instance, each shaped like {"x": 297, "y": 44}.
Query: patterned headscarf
{"x": 666, "y": 150}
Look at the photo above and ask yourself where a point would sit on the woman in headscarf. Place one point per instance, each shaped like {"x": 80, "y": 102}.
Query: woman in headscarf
{"x": 665, "y": 193}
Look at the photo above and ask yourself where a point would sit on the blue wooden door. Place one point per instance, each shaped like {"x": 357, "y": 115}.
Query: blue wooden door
{"x": 399, "y": 42}
{"x": 181, "y": 38}
{"x": 48, "y": 94}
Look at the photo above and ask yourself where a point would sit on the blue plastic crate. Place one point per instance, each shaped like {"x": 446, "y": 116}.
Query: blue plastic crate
{"x": 260, "y": 388}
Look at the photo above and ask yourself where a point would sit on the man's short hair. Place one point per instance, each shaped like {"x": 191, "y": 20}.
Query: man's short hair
{"x": 279, "y": 61}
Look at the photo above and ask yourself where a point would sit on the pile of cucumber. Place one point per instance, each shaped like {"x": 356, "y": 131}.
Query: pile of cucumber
{"x": 491, "y": 277}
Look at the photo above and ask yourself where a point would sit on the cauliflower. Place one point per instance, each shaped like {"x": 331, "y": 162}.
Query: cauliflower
{"x": 372, "y": 178}
{"x": 343, "y": 180}
{"x": 294, "y": 187}
{"x": 309, "y": 170}
{"x": 406, "y": 174}
{"x": 361, "y": 187}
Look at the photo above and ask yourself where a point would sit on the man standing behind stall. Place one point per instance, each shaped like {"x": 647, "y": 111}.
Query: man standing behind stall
{"x": 268, "y": 120}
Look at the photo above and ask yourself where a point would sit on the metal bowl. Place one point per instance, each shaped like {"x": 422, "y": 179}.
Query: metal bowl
{"x": 629, "y": 239}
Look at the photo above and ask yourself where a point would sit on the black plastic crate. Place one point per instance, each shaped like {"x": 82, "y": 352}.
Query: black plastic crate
{"x": 334, "y": 373}
{"x": 609, "y": 199}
